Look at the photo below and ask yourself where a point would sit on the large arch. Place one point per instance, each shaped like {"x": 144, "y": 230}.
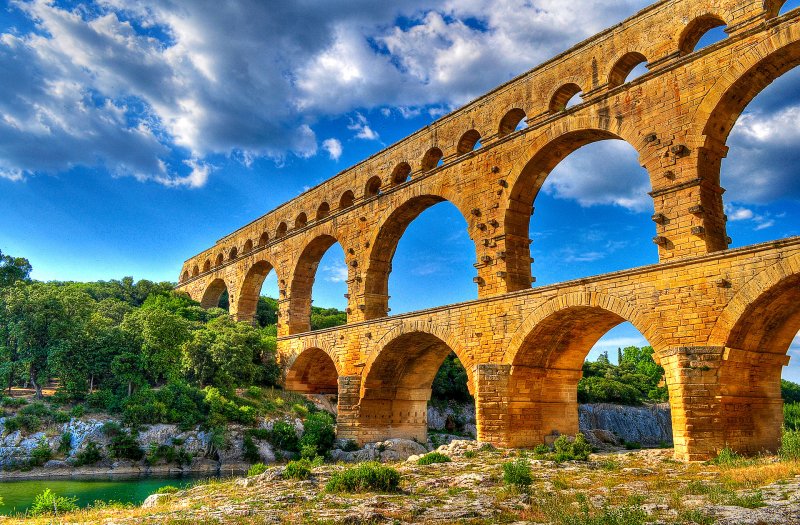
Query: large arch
{"x": 213, "y": 293}
{"x": 382, "y": 249}
{"x": 396, "y": 382}
{"x": 756, "y": 331}
{"x": 250, "y": 289}
{"x": 312, "y": 371}
{"x": 546, "y": 355}
{"x": 302, "y": 282}
{"x": 546, "y": 154}
{"x": 749, "y": 75}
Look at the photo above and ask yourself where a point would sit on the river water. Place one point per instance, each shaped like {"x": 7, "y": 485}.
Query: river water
{"x": 18, "y": 495}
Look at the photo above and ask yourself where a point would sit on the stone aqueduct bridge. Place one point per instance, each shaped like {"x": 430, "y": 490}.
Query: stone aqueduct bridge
{"x": 720, "y": 320}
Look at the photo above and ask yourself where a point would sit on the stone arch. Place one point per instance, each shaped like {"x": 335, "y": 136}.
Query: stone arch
{"x": 400, "y": 173}
{"x": 431, "y": 159}
{"x": 263, "y": 239}
{"x": 250, "y": 287}
{"x": 185, "y": 276}
{"x": 748, "y": 76}
{"x": 773, "y": 7}
{"x": 323, "y": 211}
{"x": 732, "y": 322}
{"x": 347, "y": 199}
{"x": 301, "y": 221}
{"x": 233, "y": 253}
{"x": 468, "y": 141}
{"x": 546, "y": 355}
{"x": 694, "y": 31}
{"x": 623, "y": 310}
{"x": 302, "y": 281}
{"x": 756, "y": 331}
{"x": 372, "y": 187}
{"x": 248, "y": 246}
{"x": 213, "y": 292}
{"x": 220, "y": 259}
{"x": 510, "y": 121}
{"x": 623, "y": 67}
{"x": 281, "y": 231}
{"x": 207, "y": 265}
{"x": 383, "y": 245}
{"x": 195, "y": 271}
{"x": 397, "y": 379}
{"x": 527, "y": 178}
{"x": 314, "y": 370}
{"x": 562, "y": 95}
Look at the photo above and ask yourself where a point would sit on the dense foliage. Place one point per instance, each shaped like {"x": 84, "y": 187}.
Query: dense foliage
{"x": 450, "y": 383}
{"x": 636, "y": 379}
{"x": 136, "y": 348}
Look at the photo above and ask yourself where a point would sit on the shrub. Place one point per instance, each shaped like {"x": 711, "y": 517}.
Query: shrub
{"x": 576, "y": 450}
{"x": 48, "y": 503}
{"x": 283, "y": 436}
{"x": 125, "y": 446}
{"x": 470, "y": 454}
{"x": 254, "y": 392}
{"x": 632, "y": 445}
{"x": 433, "y": 457}
{"x": 77, "y": 411}
{"x": 88, "y": 456}
{"x": 728, "y": 458}
{"x": 300, "y": 469}
{"x": 790, "y": 445}
{"x": 41, "y": 454}
{"x": 350, "y": 445}
{"x": 167, "y": 489}
{"x": 791, "y": 415}
{"x": 370, "y": 476}
{"x": 319, "y": 432}
{"x": 517, "y": 473}
{"x": 13, "y": 402}
{"x": 65, "y": 444}
{"x": 300, "y": 410}
{"x": 255, "y": 470}
{"x": 251, "y": 454}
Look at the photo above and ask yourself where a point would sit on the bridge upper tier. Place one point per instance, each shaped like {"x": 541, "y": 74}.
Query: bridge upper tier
{"x": 677, "y": 116}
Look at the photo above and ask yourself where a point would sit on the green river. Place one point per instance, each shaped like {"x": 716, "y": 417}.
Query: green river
{"x": 18, "y": 495}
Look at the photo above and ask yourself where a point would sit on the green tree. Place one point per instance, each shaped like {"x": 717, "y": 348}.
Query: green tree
{"x": 226, "y": 354}
{"x": 13, "y": 269}
{"x": 160, "y": 334}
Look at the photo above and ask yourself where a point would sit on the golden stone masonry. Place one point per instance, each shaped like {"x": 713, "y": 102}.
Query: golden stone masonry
{"x": 721, "y": 321}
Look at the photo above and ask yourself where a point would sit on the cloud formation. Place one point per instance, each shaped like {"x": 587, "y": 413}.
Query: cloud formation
{"x": 157, "y": 89}
{"x": 153, "y": 89}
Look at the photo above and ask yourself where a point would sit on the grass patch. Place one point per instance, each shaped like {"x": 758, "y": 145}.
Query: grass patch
{"x": 255, "y": 470}
{"x": 790, "y": 444}
{"x": 299, "y": 469}
{"x": 517, "y": 473}
{"x": 366, "y": 477}
{"x": 728, "y": 458}
{"x": 433, "y": 457}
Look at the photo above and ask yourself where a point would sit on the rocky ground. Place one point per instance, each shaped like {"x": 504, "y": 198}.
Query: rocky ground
{"x": 614, "y": 488}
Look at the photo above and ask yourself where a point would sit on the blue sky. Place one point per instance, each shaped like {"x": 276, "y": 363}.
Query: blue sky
{"x": 127, "y": 123}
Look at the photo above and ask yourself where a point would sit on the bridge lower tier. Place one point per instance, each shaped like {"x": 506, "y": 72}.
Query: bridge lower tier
{"x": 720, "y": 324}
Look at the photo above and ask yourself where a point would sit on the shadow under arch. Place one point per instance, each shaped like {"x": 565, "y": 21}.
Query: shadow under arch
{"x": 213, "y": 293}
{"x": 250, "y": 289}
{"x": 756, "y": 331}
{"x": 312, "y": 371}
{"x": 302, "y": 281}
{"x": 397, "y": 383}
{"x": 525, "y": 188}
{"x": 546, "y": 355}
{"x": 383, "y": 247}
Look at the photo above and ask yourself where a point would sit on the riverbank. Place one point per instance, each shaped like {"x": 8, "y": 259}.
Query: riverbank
{"x": 630, "y": 488}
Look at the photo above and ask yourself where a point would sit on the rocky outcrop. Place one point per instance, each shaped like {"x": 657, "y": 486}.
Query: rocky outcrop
{"x": 649, "y": 425}
{"x": 389, "y": 450}
{"x": 195, "y": 446}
